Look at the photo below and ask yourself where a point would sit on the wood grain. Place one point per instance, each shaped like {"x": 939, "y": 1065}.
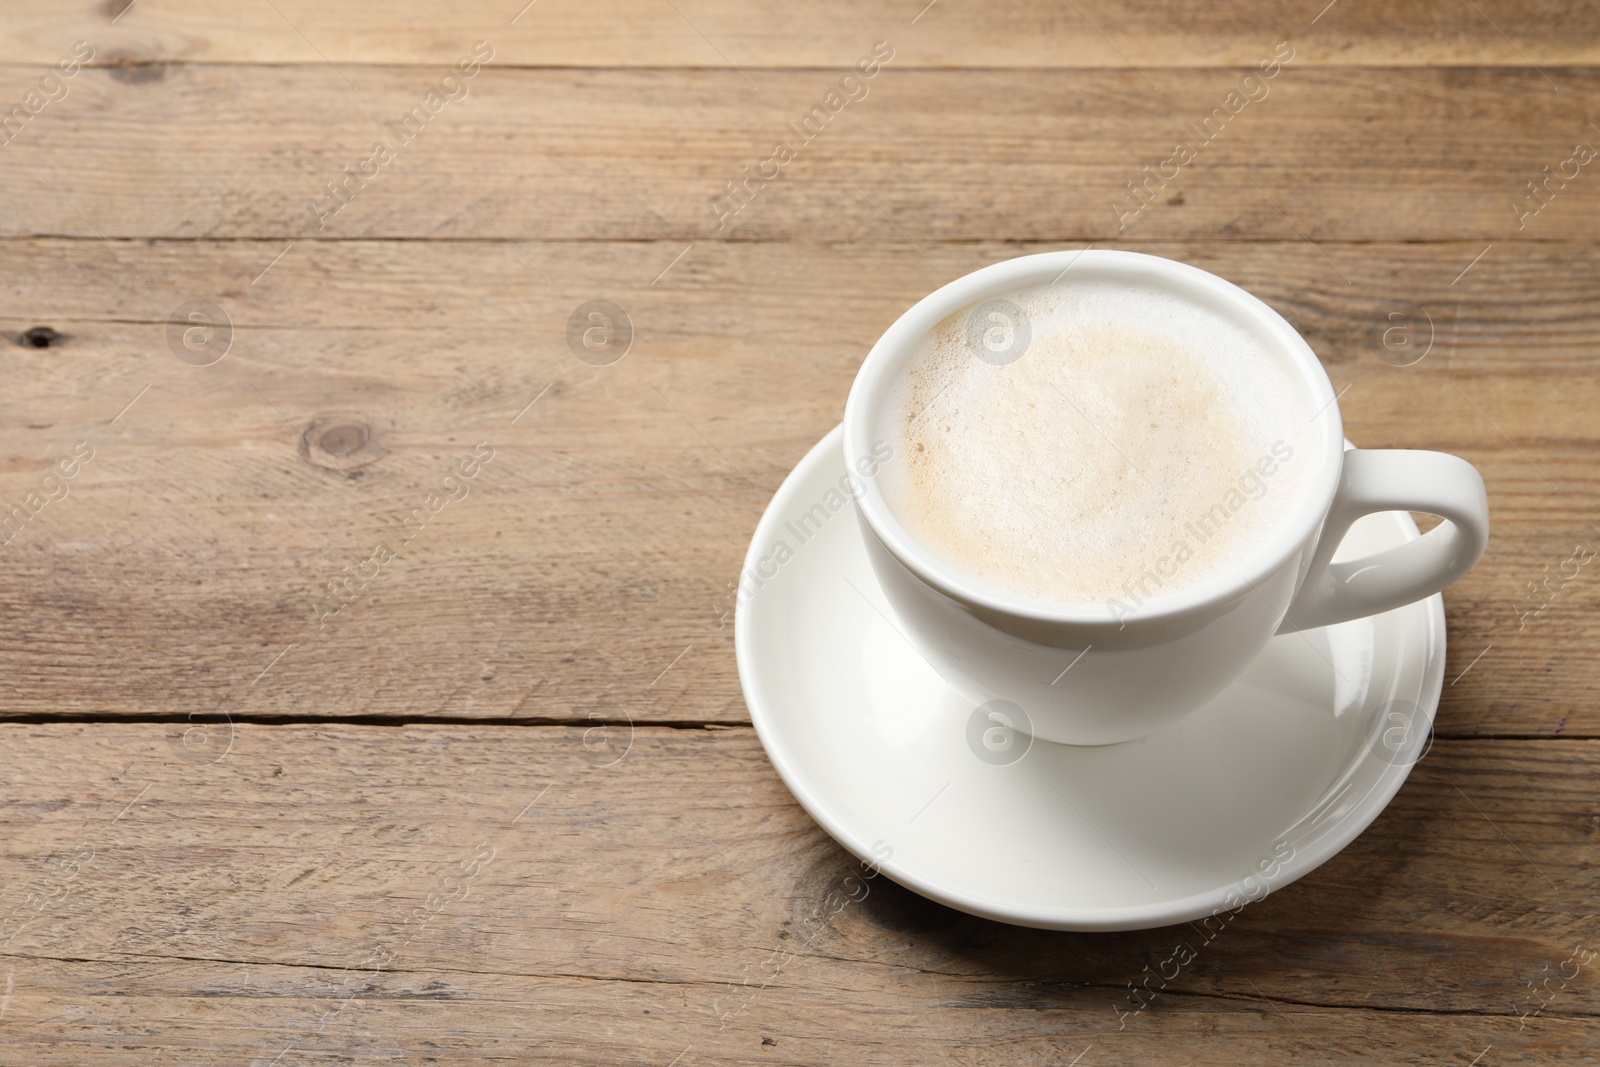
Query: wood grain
{"x": 983, "y": 155}
{"x": 231, "y": 910}
{"x": 246, "y": 812}
{"x": 710, "y": 33}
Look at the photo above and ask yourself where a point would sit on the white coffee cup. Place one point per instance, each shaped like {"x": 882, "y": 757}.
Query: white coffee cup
{"x": 1132, "y": 674}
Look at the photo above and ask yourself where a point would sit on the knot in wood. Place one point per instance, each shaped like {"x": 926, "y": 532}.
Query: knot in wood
{"x": 339, "y": 441}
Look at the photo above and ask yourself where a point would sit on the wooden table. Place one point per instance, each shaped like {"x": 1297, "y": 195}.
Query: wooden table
{"x": 274, "y": 794}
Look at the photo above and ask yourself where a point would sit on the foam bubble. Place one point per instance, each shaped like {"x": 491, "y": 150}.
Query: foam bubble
{"x": 1138, "y": 444}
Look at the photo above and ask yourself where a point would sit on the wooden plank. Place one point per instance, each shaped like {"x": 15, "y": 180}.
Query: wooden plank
{"x": 193, "y": 1012}
{"x": 476, "y": 894}
{"x": 597, "y": 547}
{"x": 1369, "y": 155}
{"x": 615, "y": 33}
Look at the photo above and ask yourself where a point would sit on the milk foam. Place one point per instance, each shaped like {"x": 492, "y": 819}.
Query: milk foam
{"x": 1141, "y": 443}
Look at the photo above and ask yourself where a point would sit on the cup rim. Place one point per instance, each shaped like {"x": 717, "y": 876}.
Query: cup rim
{"x": 1290, "y": 538}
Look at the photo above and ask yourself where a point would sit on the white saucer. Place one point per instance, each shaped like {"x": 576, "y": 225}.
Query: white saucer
{"x": 1260, "y": 786}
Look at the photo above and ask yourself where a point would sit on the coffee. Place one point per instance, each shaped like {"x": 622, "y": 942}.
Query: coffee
{"x": 1091, "y": 442}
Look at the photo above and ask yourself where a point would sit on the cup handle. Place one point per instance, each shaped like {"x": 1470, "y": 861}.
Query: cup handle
{"x": 1393, "y": 480}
